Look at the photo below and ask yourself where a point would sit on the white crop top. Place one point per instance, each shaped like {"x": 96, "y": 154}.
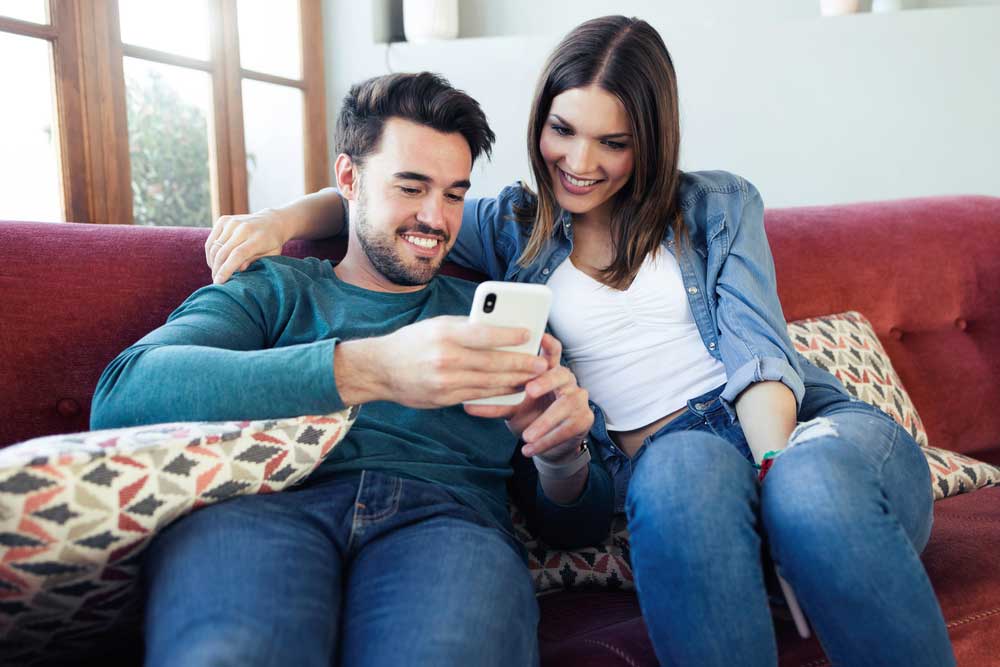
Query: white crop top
{"x": 638, "y": 352}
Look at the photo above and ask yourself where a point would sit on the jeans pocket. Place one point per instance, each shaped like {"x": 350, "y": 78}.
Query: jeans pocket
{"x": 717, "y": 421}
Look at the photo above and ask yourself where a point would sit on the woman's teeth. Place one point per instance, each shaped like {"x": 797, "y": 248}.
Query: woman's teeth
{"x": 421, "y": 241}
{"x": 577, "y": 182}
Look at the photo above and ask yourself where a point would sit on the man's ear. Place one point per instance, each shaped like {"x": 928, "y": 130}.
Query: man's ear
{"x": 348, "y": 176}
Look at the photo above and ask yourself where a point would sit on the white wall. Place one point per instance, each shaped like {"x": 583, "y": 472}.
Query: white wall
{"x": 813, "y": 110}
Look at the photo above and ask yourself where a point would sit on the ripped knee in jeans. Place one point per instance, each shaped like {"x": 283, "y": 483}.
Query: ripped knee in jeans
{"x": 820, "y": 427}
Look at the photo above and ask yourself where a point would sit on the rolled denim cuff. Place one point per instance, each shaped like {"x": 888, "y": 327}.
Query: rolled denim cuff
{"x": 761, "y": 370}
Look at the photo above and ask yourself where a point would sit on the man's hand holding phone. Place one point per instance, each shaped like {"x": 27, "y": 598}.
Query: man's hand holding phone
{"x": 434, "y": 363}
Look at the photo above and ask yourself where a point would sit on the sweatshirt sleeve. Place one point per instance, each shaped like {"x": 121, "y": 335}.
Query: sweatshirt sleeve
{"x": 213, "y": 361}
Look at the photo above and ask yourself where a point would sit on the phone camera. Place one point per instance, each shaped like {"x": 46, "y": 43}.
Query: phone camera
{"x": 489, "y": 303}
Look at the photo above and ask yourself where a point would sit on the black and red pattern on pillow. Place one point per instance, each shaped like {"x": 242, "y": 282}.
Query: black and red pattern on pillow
{"x": 77, "y": 510}
{"x": 845, "y": 344}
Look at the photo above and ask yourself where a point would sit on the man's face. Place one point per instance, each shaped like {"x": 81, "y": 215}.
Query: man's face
{"x": 410, "y": 198}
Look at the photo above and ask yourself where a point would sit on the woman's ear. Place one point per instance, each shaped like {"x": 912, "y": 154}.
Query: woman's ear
{"x": 348, "y": 175}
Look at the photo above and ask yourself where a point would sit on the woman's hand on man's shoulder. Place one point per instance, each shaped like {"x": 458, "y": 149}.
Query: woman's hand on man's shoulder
{"x": 237, "y": 241}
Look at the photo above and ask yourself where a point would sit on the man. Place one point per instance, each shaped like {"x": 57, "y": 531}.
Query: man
{"x": 398, "y": 549}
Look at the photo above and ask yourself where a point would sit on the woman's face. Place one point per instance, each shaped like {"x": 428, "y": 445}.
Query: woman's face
{"x": 588, "y": 148}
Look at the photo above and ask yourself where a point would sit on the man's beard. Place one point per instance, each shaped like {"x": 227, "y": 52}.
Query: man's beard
{"x": 383, "y": 255}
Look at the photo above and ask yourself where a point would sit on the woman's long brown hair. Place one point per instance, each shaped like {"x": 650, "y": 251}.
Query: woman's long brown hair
{"x": 626, "y": 57}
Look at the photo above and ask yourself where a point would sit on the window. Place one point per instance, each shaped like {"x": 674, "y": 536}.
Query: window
{"x": 159, "y": 112}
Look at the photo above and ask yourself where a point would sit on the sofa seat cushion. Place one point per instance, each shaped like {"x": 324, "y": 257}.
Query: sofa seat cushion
{"x": 77, "y": 510}
{"x": 605, "y": 628}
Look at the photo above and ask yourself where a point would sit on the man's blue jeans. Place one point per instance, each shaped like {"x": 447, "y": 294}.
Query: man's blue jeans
{"x": 845, "y": 513}
{"x": 365, "y": 570}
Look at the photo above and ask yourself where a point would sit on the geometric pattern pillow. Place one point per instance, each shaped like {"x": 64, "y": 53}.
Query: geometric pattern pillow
{"x": 77, "y": 510}
{"x": 845, "y": 345}
{"x": 953, "y": 473}
{"x": 604, "y": 566}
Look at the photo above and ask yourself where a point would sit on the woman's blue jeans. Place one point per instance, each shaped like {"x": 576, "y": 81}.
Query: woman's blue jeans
{"x": 844, "y": 513}
{"x": 367, "y": 570}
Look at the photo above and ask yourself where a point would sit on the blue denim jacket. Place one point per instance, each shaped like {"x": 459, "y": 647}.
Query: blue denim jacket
{"x": 727, "y": 270}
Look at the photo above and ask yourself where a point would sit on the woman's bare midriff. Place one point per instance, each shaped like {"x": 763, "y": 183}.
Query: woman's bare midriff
{"x": 630, "y": 441}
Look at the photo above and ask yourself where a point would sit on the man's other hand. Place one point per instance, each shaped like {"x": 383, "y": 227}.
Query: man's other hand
{"x": 555, "y": 414}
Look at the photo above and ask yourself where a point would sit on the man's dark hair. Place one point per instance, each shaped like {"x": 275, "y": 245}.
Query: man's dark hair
{"x": 424, "y": 98}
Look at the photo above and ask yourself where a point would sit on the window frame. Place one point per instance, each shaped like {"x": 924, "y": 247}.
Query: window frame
{"x": 88, "y": 63}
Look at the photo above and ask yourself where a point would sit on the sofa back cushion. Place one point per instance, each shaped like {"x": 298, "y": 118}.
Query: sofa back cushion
{"x": 73, "y": 296}
{"x": 924, "y": 271}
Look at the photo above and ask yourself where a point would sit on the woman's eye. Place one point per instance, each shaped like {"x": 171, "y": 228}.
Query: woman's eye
{"x": 561, "y": 130}
{"x": 615, "y": 145}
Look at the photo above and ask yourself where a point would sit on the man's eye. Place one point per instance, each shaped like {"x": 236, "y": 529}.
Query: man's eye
{"x": 409, "y": 191}
{"x": 456, "y": 198}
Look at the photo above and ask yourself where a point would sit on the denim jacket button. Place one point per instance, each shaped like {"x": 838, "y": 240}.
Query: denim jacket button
{"x": 711, "y": 346}
{"x": 545, "y": 271}
{"x": 692, "y": 290}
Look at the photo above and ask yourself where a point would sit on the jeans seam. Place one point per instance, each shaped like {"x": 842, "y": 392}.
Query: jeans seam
{"x": 388, "y": 511}
{"x": 889, "y": 451}
{"x": 355, "y": 522}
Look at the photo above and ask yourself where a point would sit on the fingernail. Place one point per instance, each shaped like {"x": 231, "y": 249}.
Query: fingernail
{"x": 528, "y": 435}
{"x": 539, "y": 365}
{"x": 527, "y": 451}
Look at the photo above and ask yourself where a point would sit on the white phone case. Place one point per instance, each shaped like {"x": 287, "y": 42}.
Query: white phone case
{"x": 514, "y": 305}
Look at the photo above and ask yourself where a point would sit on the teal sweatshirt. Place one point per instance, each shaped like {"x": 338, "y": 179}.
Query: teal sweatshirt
{"x": 261, "y": 346}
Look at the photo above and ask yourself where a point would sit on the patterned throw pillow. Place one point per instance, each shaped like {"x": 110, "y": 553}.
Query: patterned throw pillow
{"x": 845, "y": 345}
{"x": 77, "y": 510}
{"x": 953, "y": 473}
{"x": 604, "y": 566}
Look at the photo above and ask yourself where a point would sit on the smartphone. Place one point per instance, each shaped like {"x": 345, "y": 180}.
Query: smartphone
{"x": 512, "y": 305}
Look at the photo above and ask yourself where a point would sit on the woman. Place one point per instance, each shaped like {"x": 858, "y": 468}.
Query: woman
{"x": 666, "y": 304}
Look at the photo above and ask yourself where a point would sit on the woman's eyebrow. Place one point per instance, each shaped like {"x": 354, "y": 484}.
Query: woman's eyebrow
{"x": 613, "y": 135}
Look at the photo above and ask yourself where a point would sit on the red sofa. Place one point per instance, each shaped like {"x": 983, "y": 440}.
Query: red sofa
{"x": 926, "y": 272}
